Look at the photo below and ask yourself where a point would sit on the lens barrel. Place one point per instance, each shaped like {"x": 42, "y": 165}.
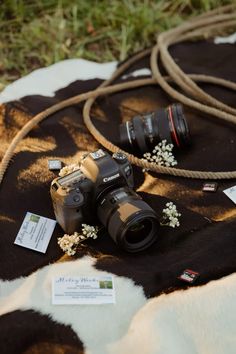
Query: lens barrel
{"x": 142, "y": 133}
{"x": 131, "y": 222}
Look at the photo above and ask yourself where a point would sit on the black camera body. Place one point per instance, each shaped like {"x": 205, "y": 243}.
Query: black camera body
{"x": 76, "y": 194}
{"x": 102, "y": 188}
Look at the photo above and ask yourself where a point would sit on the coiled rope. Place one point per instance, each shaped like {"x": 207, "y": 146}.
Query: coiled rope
{"x": 194, "y": 97}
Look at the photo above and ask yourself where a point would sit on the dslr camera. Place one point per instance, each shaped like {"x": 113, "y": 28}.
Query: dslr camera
{"x": 102, "y": 189}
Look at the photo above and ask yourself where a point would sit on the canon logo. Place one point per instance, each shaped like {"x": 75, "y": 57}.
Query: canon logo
{"x": 110, "y": 178}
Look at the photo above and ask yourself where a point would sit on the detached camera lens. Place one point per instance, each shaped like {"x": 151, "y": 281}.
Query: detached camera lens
{"x": 130, "y": 221}
{"x": 142, "y": 133}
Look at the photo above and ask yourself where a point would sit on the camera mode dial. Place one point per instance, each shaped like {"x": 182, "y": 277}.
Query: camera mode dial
{"x": 119, "y": 157}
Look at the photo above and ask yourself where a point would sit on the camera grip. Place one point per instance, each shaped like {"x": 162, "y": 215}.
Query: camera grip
{"x": 67, "y": 208}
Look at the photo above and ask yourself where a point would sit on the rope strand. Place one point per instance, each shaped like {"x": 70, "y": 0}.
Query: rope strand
{"x": 209, "y": 22}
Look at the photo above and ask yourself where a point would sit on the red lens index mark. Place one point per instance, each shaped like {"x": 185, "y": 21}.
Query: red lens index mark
{"x": 173, "y": 127}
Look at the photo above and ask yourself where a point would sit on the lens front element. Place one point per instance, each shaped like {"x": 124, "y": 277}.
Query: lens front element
{"x": 130, "y": 221}
{"x": 136, "y": 231}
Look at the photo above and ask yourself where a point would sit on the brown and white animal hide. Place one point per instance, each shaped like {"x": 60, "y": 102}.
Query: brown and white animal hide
{"x": 155, "y": 312}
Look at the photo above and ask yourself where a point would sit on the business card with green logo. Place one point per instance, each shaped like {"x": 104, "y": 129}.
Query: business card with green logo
{"x": 83, "y": 290}
{"x": 35, "y": 232}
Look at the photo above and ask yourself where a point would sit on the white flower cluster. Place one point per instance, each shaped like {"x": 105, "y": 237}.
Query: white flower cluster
{"x": 68, "y": 169}
{"x": 161, "y": 155}
{"x": 170, "y": 215}
{"x": 89, "y": 231}
{"x": 69, "y": 243}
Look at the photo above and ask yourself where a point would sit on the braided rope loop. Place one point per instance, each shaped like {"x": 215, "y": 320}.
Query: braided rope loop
{"x": 210, "y": 22}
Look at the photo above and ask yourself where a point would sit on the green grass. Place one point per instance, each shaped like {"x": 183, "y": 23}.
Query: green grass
{"x": 38, "y": 33}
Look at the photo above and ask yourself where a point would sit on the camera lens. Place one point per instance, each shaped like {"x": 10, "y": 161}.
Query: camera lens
{"x": 130, "y": 221}
{"x": 142, "y": 133}
{"x": 134, "y": 233}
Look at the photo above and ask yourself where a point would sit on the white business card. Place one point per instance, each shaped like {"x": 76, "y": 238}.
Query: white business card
{"x": 35, "y": 232}
{"x": 83, "y": 290}
{"x": 231, "y": 193}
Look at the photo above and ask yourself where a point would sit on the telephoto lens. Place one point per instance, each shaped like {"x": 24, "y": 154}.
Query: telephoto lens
{"x": 142, "y": 133}
{"x": 131, "y": 222}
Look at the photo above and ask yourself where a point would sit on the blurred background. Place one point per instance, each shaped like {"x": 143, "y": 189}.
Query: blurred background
{"x": 38, "y": 33}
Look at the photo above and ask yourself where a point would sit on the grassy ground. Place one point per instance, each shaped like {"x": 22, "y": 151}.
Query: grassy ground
{"x": 38, "y": 33}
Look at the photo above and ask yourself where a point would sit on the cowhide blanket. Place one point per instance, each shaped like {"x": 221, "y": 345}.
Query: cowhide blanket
{"x": 155, "y": 312}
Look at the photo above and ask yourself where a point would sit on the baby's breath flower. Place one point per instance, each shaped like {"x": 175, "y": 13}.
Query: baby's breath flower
{"x": 170, "y": 215}
{"x": 69, "y": 243}
{"x": 161, "y": 154}
{"x": 89, "y": 231}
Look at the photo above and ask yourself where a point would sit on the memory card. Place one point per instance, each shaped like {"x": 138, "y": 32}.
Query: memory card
{"x": 189, "y": 276}
{"x": 54, "y": 165}
{"x": 210, "y": 187}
